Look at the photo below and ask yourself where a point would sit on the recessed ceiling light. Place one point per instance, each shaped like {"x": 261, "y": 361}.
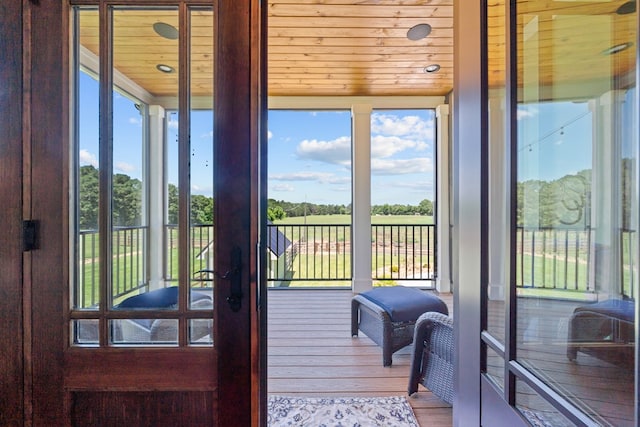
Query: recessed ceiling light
{"x": 617, "y": 48}
{"x": 419, "y": 31}
{"x": 164, "y": 68}
{"x": 165, "y": 30}
{"x": 627, "y": 8}
{"x": 432, "y": 68}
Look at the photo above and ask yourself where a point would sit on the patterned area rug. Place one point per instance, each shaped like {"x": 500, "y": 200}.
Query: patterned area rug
{"x": 340, "y": 412}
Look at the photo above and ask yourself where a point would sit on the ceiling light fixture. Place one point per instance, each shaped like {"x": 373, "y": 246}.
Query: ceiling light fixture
{"x": 617, "y": 48}
{"x": 165, "y": 30}
{"x": 433, "y": 68}
{"x": 627, "y": 8}
{"x": 165, "y": 68}
{"x": 418, "y": 32}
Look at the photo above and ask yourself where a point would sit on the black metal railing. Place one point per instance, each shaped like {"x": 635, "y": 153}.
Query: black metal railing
{"x": 554, "y": 259}
{"x": 319, "y": 252}
{"x": 315, "y": 252}
{"x": 561, "y": 259}
{"x": 404, "y": 252}
{"x": 201, "y": 246}
{"x": 129, "y": 264}
{"x": 549, "y": 258}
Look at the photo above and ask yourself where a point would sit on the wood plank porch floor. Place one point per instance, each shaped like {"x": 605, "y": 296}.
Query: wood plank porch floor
{"x": 311, "y": 353}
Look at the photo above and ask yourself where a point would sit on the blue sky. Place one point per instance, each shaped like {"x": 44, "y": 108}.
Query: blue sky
{"x": 554, "y": 139}
{"x": 309, "y": 151}
{"x": 310, "y": 156}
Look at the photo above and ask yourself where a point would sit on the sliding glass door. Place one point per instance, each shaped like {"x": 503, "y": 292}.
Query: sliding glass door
{"x": 558, "y": 307}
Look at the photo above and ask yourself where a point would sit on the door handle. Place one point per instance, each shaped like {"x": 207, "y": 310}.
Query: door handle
{"x": 234, "y": 276}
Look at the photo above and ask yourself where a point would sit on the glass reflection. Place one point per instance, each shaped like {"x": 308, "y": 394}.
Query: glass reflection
{"x": 577, "y": 210}
{"x": 537, "y": 410}
{"x": 498, "y": 176}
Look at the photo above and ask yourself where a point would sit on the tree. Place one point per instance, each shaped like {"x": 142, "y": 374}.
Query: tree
{"x": 127, "y": 200}
{"x": 201, "y": 209}
{"x": 172, "y": 206}
{"x": 88, "y": 198}
{"x": 275, "y": 212}
{"x": 425, "y": 207}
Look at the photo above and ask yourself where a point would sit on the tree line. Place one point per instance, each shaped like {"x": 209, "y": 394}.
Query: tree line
{"x": 127, "y": 201}
{"x": 564, "y": 202}
{"x": 280, "y": 209}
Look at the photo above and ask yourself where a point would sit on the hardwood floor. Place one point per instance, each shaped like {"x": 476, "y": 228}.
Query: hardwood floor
{"x": 311, "y": 353}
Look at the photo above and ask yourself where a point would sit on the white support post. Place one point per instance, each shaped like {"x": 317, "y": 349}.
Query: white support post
{"x": 361, "y": 197}
{"x": 443, "y": 218}
{"x": 606, "y": 223}
{"x": 156, "y": 196}
{"x": 498, "y": 208}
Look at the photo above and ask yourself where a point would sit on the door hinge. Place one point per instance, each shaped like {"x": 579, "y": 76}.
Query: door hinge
{"x": 30, "y": 235}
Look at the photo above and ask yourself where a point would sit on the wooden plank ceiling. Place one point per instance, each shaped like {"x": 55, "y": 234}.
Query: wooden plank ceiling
{"x": 360, "y": 47}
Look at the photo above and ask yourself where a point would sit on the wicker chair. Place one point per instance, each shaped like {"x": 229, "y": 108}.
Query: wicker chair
{"x": 432, "y": 363}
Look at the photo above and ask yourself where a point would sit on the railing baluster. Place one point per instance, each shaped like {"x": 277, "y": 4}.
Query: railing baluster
{"x": 555, "y": 259}
{"x": 533, "y": 258}
{"x": 577, "y": 263}
{"x": 544, "y": 258}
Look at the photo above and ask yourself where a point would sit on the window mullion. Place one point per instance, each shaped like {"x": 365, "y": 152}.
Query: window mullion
{"x": 184, "y": 164}
{"x": 106, "y": 166}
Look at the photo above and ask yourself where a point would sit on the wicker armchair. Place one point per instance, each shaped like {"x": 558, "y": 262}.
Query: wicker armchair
{"x": 432, "y": 363}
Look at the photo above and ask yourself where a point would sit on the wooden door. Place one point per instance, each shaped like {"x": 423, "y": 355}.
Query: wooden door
{"x": 99, "y": 378}
{"x": 11, "y": 363}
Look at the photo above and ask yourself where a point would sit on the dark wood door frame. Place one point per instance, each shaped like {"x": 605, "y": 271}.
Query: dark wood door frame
{"x": 239, "y": 107}
{"x": 34, "y": 387}
{"x": 11, "y": 264}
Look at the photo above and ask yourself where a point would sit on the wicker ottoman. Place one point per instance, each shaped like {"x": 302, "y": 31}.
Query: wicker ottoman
{"x": 388, "y": 316}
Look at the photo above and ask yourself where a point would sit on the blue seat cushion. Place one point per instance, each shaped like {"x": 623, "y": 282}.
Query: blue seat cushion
{"x": 405, "y": 304}
{"x": 622, "y": 309}
{"x": 159, "y": 298}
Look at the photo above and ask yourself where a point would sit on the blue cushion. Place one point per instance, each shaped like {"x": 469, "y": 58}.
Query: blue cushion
{"x": 405, "y": 304}
{"x": 616, "y": 308}
{"x": 159, "y": 298}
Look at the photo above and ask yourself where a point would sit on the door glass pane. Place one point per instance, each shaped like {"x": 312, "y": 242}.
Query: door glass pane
{"x": 498, "y": 171}
{"x": 495, "y": 367}
{"x": 537, "y": 410}
{"x": 576, "y": 274}
{"x": 201, "y": 174}
{"x": 139, "y": 146}
{"x": 136, "y": 86}
{"x": 86, "y": 161}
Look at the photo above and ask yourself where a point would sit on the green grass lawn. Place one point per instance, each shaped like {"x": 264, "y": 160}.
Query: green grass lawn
{"x": 324, "y": 252}
{"x": 346, "y": 220}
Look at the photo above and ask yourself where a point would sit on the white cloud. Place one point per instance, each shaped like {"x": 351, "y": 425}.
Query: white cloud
{"x": 135, "y": 120}
{"x": 401, "y": 166}
{"x": 205, "y": 191}
{"x": 524, "y": 112}
{"x": 269, "y": 134}
{"x": 86, "y": 158}
{"x": 124, "y": 167}
{"x": 336, "y": 152}
{"x": 172, "y": 123}
{"x": 319, "y": 177}
{"x": 387, "y": 146}
{"x": 283, "y": 187}
{"x": 207, "y": 135}
{"x": 412, "y": 126}
{"x": 415, "y": 186}
{"x": 302, "y": 176}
